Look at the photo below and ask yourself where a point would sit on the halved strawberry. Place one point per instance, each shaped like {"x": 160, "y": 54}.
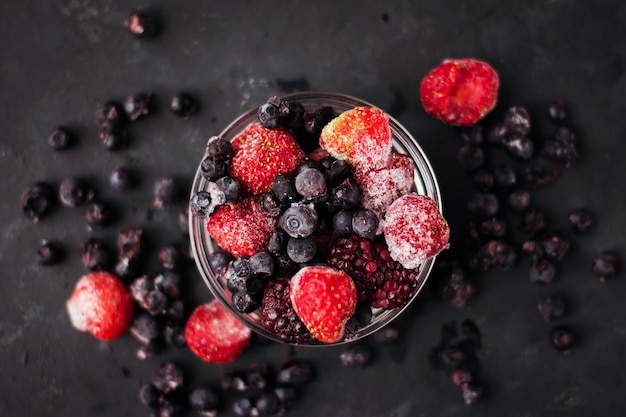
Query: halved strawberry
{"x": 242, "y": 228}
{"x": 460, "y": 92}
{"x": 260, "y": 154}
{"x": 324, "y": 298}
{"x": 100, "y": 305}
{"x": 215, "y": 335}
{"x": 361, "y": 136}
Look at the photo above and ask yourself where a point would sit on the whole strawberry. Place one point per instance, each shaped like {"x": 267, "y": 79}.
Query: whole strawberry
{"x": 324, "y": 298}
{"x": 361, "y": 136}
{"x": 260, "y": 154}
{"x": 215, "y": 335}
{"x": 100, "y": 305}
{"x": 460, "y": 92}
{"x": 242, "y": 228}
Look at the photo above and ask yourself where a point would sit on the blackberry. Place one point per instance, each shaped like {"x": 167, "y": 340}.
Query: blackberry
{"x": 183, "y": 105}
{"x": 60, "y": 138}
{"x": 36, "y": 201}
{"x": 277, "y": 314}
{"x": 380, "y": 281}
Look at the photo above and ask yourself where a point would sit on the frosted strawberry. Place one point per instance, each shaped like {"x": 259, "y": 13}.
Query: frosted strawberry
{"x": 215, "y": 335}
{"x": 415, "y": 230}
{"x": 380, "y": 187}
{"x": 460, "y": 92}
{"x": 242, "y": 228}
{"x": 101, "y": 305}
{"x": 324, "y": 298}
{"x": 360, "y": 136}
{"x": 260, "y": 154}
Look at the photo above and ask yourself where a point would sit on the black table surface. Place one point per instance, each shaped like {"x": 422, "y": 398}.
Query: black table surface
{"x": 60, "y": 58}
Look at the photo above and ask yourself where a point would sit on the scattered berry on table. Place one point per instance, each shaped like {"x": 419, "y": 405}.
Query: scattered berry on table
{"x": 453, "y": 285}
{"x": 183, "y": 105}
{"x": 122, "y": 179}
{"x": 542, "y": 271}
{"x": 356, "y": 355}
{"x": 114, "y": 139}
{"x": 518, "y": 200}
{"x": 95, "y": 255}
{"x": 109, "y": 115}
{"x": 167, "y": 377}
{"x": 60, "y": 138}
{"x": 606, "y": 265}
{"x": 138, "y": 105}
{"x": 145, "y": 327}
{"x": 48, "y": 253}
{"x": 483, "y": 204}
{"x": 562, "y": 146}
{"x": 36, "y": 200}
{"x": 149, "y": 395}
{"x": 552, "y": 306}
{"x": 141, "y": 24}
{"x": 165, "y": 193}
{"x": 517, "y": 121}
{"x": 555, "y": 245}
{"x": 98, "y": 214}
{"x": 75, "y": 192}
{"x": 581, "y": 220}
{"x": 562, "y": 338}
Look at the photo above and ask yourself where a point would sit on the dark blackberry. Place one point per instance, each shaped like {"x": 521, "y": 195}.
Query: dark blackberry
{"x": 145, "y": 328}
{"x": 141, "y": 24}
{"x": 205, "y": 400}
{"x": 60, "y": 138}
{"x": 48, "y": 253}
{"x": 562, "y": 338}
{"x": 580, "y": 220}
{"x": 470, "y": 157}
{"x": 114, "y": 139}
{"x": 301, "y": 250}
{"x": 95, "y": 255}
{"x": 122, "y": 179}
{"x": 183, "y": 105}
{"x": 365, "y": 223}
{"x": 356, "y": 355}
{"x": 167, "y": 377}
{"x": 109, "y": 115}
{"x": 311, "y": 184}
{"x": 605, "y": 266}
{"x": 298, "y": 221}
{"x": 98, "y": 214}
{"x": 380, "y": 281}
{"x": 75, "y": 192}
{"x": 542, "y": 271}
{"x": 138, "y": 105}
{"x": 517, "y": 121}
{"x": 164, "y": 193}
{"x": 277, "y": 314}
{"x": 557, "y": 111}
{"x": 552, "y": 306}
{"x": 36, "y": 201}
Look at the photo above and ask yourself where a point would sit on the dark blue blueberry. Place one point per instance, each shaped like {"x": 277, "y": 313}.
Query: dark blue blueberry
{"x": 242, "y": 407}
{"x": 174, "y": 334}
{"x": 356, "y": 355}
{"x": 183, "y": 105}
{"x": 555, "y": 245}
{"x": 138, "y": 105}
{"x": 268, "y": 115}
{"x": 48, "y": 253}
{"x": 552, "y": 306}
{"x": 165, "y": 193}
{"x": 346, "y": 195}
{"x": 122, "y": 179}
{"x": 298, "y": 221}
{"x": 219, "y": 149}
{"x": 204, "y": 399}
{"x": 301, "y": 250}
{"x": 75, "y": 192}
{"x": 606, "y": 265}
{"x": 311, "y": 184}
{"x": 284, "y": 189}
{"x": 114, "y": 139}
{"x": 267, "y": 404}
{"x": 562, "y": 338}
{"x": 483, "y": 204}
{"x": 505, "y": 175}
{"x": 542, "y": 271}
{"x": 213, "y": 169}
{"x": 316, "y": 119}
{"x": 219, "y": 260}
{"x": 149, "y": 395}
{"x": 277, "y": 242}
{"x": 60, "y": 138}
{"x": 145, "y": 328}
{"x": 36, "y": 201}
{"x": 365, "y": 223}
{"x": 483, "y": 179}
{"x": 109, "y": 115}
{"x": 338, "y": 172}
{"x": 98, "y": 214}
{"x": 230, "y": 187}
{"x": 200, "y": 204}
{"x": 167, "y": 377}
{"x": 294, "y": 372}
{"x": 262, "y": 263}
{"x": 95, "y": 255}
{"x": 284, "y": 265}
{"x": 156, "y": 302}
{"x": 236, "y": 275}
{"x": 168, "y": 282}
{"x": 470, "y": 157}
{"x": 518, "y": 200}
{"x": 580, "y": 220}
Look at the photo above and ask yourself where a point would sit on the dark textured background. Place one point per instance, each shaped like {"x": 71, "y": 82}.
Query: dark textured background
{"x": 60, "y": 58}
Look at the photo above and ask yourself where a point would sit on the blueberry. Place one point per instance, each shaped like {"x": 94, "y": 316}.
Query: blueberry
{"x": 337, "y": 172}
{"x": 284, "y": 189}
{"x": 94, "y": 255}
{"x": 114, "y": 139}
{"x": 75, "y": 192}
{"x": 170, "y": 256}
{"x": 346, "y": 195}
{"x": 164, "y": 193}
{"x": 168, "y": 282}
{"x": 311, "y": 184}
{"x": 219, "y": 149}
{"x": 533, "y": 220}
{"x": 518, "y": 200}
{"x": 493, "y": 227}
{"x": 98, "y": 214}
{"x": 520, "y": 148}
{"x": 230, "y": 187}
{"x": 243, "y": 407}
{"x": 233, "y": 382}
{"x": 552, "y": 306}
{"x": 483, "y": 180}
{"x": 496, "y": 133}
{"x": 122, "y": 179}
{"x": 267, "y": 404}
{"x": 286, "y": 394}
{"x": 294, "y": 118}
{"x": 301, "y": 250}
{"x": 137, "y": 105}
{"x": 213, "y": 169}
{"x": 36, "y": 201}
{"x": 580, "y": 220}
{"x": 200, "y": 204}
{"x": 470, "y": 157}
{"x": 365, "y": 223}
{"x": 277, "y": 242}
{"x": 298, "y": 221}
{"x": 60, "y": 138}
{"x": 472, "y": 135}
{"x": 257, "y": 376}
{"x": 561, "y": 338}
{"x": 244, "y": 302}
{"x": 145, "y": 328}
{"x": 295, "y": 372}
{"x": 284, "y": 265}
{"x": 156, "y": 302}
{"x": 219, "y": 260}
{"x": 483, "y": 204}
{"x": 262, "y": 263}
{"x": 183, "y": 105}
{"x": 606, "y": 265}
{"x": 542, "y": 271}
{"x": 167, "y": 377}
{"x": 109, "y": 115}
{"x": 204, "y": 399}
{"x": 130, "y": 242}
{"x": 316, "y": 119}
{"x": 149, "y": 395}
{"x": 505, "y": 175}
{"x": 517, "y": 121}
{"x": 268, "y": 115}
{"x": 555, "y": 246}
{"x": 557, "y": 111}
{"x": 342, "y": 222}
{"x": 141, "y": 24}
{"x": 174, "y": 334}
{"x": 48, "y": 253}
{"x": 357, "y": 355}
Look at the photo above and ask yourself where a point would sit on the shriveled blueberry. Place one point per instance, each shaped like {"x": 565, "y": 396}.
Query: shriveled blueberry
{"x": 552, "y": 306}
{"x": 213, "y": 169}
{"x": 114, "y": 139}
{"x": 60, "y": 138}
{"x": 48, "y": 253}
{"x": 342, "y": 222}
{"x": 141, "y": 24}
{"x": 98, "y": 214}
{"x": 95, "y": 255}
{"x": 167, "y": 377}
{"x": 122, "y": 179}
{"x": 145, "y": 328}
{"x": 298, "y": 221}
{"x": 75, "y": 192}
{"x": 109, "y": 115}
{"x": 517, "y": 120}
{"x": 562, "y": 338}
{"x": 311, "y": 184}
{"x": 36, "y": 201}
{"x": 230, "y": 187}
{"x": 365, "y": 223}
{"x": 200, "y": 204}
{"x": 165, "y": 193}
{"x": 183, "y": 105}
{"x": 301, "y": 250}
{"x": 606, "y": 265}
{"x": 580, "y": 220}
{"x": 356, "y": 355}
{"x": 204, "y": 399}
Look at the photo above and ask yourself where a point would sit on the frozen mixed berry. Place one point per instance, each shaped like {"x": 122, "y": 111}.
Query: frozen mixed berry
{"x": 557, "y": 111}
{"x": 365, "y": 223}
{"x": 483, "y": 204}
{"x": 518, "y": 200}
{"x": 219, "y": 260}
{"x": 301, "y": 250}
{"x": 533, "y": 220}
{"x": 562, "y": 338}
{"x": 165, "y": 193}
{"x": 109, "y": 115}
{"x": 95, "y": 255}
{"x": 75, "y": 192}
{"x": 170, "y": 256}
{"x": 48, "y": 253}
{"x": 517, "y": 121}
{"x": 230, "y": 187}
{"x": 284, "y": 189}
{"x": 342, "y": 222}
{"x": 346, "y": 195}
{"x": 356, "y": 355}
{"x": 122, "y": 179}
{"x": 453, "y": 284}
{"x": 606, "y": 265}
{"x": 183, "y": 105}
{"x": 201, "y": 204}
{"x": 460, "y": 92}
{"x": 278, "y": 316}
{"x": 552, "y": 306}
{"x": 521, "y": 148}
{"x": 580, "y": 220}
{"x": 114, "y": 139}
{"x": 542, "y": 271}
{"x": 145, "y": 328}
{"x": 138, "y": 105}
{"x": 213, "y": 169}
{"x": 243, "y": 407}
{"x": 205, "y": 400}
{"x": 562, "y": 146}
{"x": 167, "y": 377}
{"x": 98, "y": 214}
{"x": 219, "y": 148}
{"x": 60, "y": 138}
{"x": 141, "y": 24}
{"x": 310, "y": 183}
{"x": 245, "y": 302}
{"x": 298, "y": 220}
{"x": 533, "y": 248}
{"x": 262, "y": 263}
{"x": 380, "y": 281}
{"x": 470, "y": 157}
{"x": 36, "y": 201}
{"x": 555, "y": 246}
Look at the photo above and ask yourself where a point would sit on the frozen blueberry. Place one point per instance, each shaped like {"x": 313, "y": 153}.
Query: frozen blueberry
{"x": 342, "y": 222}
{"x": 365, "y": 223}
{"x": 521, "y": 148}
{"x": 277, "y": 242}
{"x": 346, "y": 195}
{"x": 311, "y": 184}
{"x": 114, "y": 139}
{"x": 295, "y": 372}
{"x": 145, "y": 328}
{"x": 561, "y": 338}
{"x": 174, "y": 334}
{"x": 138, "y": 105}
{"x": 552, "y": 306}
{"x": 230, "y": 187}
{"x": 200, "y": 204}
{"x": 94, "y": 255}
{"x": 542, "y": 271}
{"x": 98, "y": 214}
{"x": 357, "y": 355}
{"x": 109, "y": 115}
{"x": 505, "y": 175}
{"x": 165, "y": 193}
{"x": 298, "y": 221}
{"x": 580, "y": 220}
{"x": 141, "y": 24}
{"x": 122, "y": 179}
{"x": 183, "y": 105}
{"x": 268, "y": 115}
{"x": 167, "y": 377}
{"x": 518, "y": 200}
{"x": 470, "y": 157}
{"x": 533, "y": 220}
{"x": 170, "y": 256}
{"x": 301, "y": 250}
{"x": 219, "y": 260}
{"x": 262, "y": 263}
{"x": 60, "y": 138}
{"x": 284, "y": 189}
{"x": 213, "y": 169}
{"x": 36, "y": 201}
{"x": 245, "y": 302}
{"x": 48, "y": 253}
{"x": 204, "y": 399}
{"x": 156, "y": 302}
{"x": 168, "y": 282}
{"x": 555, "y": 245}
{"x": 483, "y": 204}
{"x": 267, "y": 404}
{"x": 338, "y": 171}
{"x": 606, "y": 265}
{"x": 75, "y": 192}
{"x": 149, "y": 395}
{"x": 242, "y": 407}
{"x": 219, "y": 148}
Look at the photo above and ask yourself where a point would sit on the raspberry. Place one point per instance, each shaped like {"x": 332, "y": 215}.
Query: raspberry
{"x": 278, "y": 316}
{"x": 380, "y": 281}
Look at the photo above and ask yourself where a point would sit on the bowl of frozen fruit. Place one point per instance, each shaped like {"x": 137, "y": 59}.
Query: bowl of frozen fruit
{"x": 315, "y": 218}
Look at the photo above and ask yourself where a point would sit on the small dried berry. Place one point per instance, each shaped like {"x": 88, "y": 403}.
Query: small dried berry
{"x": 183, "y": 105}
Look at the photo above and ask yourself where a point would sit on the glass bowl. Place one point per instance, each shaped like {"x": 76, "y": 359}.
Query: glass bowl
{"x": 202, "y": 245}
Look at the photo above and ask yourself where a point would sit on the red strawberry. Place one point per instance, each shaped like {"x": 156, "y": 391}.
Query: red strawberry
{"x": 215, "y": 335}
{"x": 415, "y": 230}
{"x": 260, "y": 154}
{"x": 460, "y": 92}
{"x": 242, "y": 228}
{"x": 360, "y": 136}
{"x": 101, "y": 305}
{"x": 324, "y": 298}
